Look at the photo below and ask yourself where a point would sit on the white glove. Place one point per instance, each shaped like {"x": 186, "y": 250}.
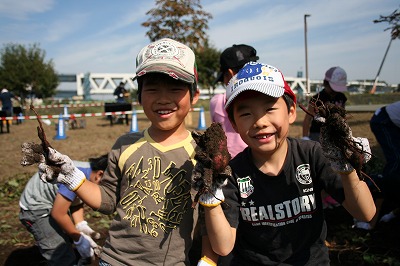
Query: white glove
{"x": 205, "y": 261}
{"x": 85, "y": 228}
{"x": 85, "y": 246}
{"x": 212, "y": 199}
{"x": 337, "y": 159}
{"x": 70, "y": 176}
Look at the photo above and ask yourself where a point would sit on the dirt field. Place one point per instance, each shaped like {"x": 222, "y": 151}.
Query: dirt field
{"x": 98, "y": 137}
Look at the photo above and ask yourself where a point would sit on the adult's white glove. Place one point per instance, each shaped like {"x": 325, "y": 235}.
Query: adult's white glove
{"x": 85, "y": 246}
{"x": 86, "y": 229}
{"x": 69, "y": 175}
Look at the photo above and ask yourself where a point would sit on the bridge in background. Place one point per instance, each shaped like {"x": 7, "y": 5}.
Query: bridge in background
{"x": 90, "y": 84}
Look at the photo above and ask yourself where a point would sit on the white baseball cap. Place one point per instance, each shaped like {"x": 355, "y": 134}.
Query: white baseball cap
{"x": 337, "y": 79}
{"x": 169, "y": 57}
{"x": 259, "y": 77}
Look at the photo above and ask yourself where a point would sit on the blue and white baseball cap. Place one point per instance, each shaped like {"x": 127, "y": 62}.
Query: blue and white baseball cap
{"x": 259, "y": 77}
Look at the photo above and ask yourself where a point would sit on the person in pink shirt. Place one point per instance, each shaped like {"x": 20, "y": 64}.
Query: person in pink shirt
{"x": 232, "y": 60}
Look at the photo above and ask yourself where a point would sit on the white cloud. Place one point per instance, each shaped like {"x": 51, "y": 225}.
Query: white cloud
{"x": 63, "y": 27}
{"x": 21, "y": 9}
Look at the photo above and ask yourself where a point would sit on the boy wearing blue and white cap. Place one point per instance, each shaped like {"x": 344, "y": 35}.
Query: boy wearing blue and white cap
{"x": 275, "y": 214}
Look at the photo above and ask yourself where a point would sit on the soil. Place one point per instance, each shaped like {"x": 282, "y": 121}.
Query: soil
{"x": 347, "y": 246}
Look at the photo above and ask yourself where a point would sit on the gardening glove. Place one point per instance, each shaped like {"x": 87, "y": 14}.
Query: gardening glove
{"x": 69, "y": 175}
{"x": 85, "y": 246}
{"x": 209, "y": 196}
{"x": 205, "y": 261}
{"x": 212, "y": 198}
{"x": 85, "y": 228}
{"x": 338, "y": 160}
{"x": 32, "y": 153}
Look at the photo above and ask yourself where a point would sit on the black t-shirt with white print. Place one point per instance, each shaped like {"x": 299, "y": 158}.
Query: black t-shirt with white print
{"x": 279, "y": 219}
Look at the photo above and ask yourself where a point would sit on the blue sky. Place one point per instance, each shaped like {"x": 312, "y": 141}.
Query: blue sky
{"x": 105, "y": 36}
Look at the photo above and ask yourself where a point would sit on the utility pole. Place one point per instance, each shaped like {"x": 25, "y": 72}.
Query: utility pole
{"x": 380, "y": 68}
{"x": 305, "y": 46}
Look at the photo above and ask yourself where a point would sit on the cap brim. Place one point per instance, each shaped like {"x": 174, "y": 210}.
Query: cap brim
{"x": 169, "y": 70}
{"x": 220, "y": 78}
{"x": 267, "y": 89}
{"x": 338, "y": 88}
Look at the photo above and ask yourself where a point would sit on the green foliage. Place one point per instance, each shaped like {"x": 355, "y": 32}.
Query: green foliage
{"x": 384, "y": 98}
{"x": 186, "y": 22}
{"x": 391, "y": 261}
{"x": 22, "y": 68}
{"x": 377, "y": 259}
{"x": 12, "y": 189}
{"x": 181, "y": 20}
{"x": 394, "y": 21}
{"x": 207, "y": 66}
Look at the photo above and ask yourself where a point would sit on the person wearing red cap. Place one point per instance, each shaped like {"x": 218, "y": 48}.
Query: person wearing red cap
{"x": 232, "y": 59}
{"x": 274, "y": 213}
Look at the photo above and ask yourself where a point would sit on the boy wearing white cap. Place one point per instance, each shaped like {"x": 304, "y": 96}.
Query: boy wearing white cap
{"x": 148, "y": 179}
{"x": 275, "y": 214}
{"x": 335, "y": 83}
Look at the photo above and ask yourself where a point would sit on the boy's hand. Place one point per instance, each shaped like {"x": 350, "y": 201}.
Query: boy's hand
{"x": 70, "y": 176}
{"x": 339, "y": 161}
{"x": 212, "y": 169}
{"x": 209, "y": 195}
{"x": 86, "y": 229}
{"x": 212, "y": 198}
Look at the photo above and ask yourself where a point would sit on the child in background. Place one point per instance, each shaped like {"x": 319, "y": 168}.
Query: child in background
{"x": 148, "y": 179}
{"x": 80, "y": 233}
{"x": 232, "y": 59}
{"x": 275, "y": 214}
{"x": 37, "y": 203}
{"x": 335, "y": 83}
{"x": 385, "y": 124}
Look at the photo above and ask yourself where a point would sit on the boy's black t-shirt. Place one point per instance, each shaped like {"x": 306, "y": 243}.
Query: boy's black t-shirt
{"x": 279, "y": 219}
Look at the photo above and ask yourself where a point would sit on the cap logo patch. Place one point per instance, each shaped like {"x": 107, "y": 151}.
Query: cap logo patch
{"x": 252, "y": 72}
{"x": 239, "y": 55}
{"x": 165, "y": 50}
